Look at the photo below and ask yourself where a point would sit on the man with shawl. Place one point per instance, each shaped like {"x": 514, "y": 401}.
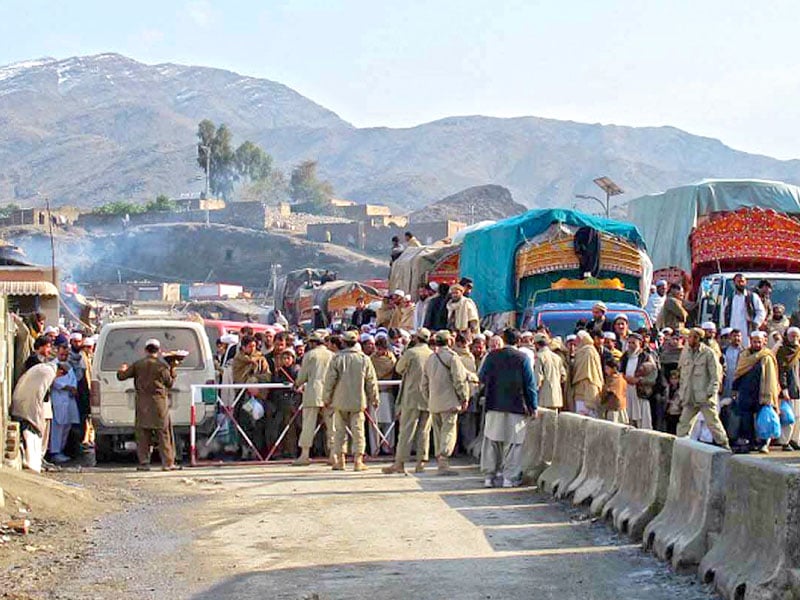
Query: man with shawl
{"x": 462, "y": 313}
{"x": 756, "y": 381}
{"x": 27, "y": 408}
{"x": 789, "y": 379}
{"x": 587, "y": 376}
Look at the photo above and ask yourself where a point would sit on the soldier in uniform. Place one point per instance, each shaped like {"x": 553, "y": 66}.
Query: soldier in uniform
{"x": 312, "y": 374}
{"x": 350, "y": 385}
{"x": 152, "y": 379}
{"x": 444, "y": 383}
{"x": 415, "y": 419}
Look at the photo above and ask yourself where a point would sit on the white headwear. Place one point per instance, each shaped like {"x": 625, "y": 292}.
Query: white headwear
{"x": 365, "y": 337}
{"x": 791, "y": 330}
{"x": 758, "y": 334}
{"x": 399, "y": 292}
{"x": 727, "y": 331}
{"x": 77, "y": 336}
{"x": 609, "y": 335}
{"x": 152, "y": 342}
{"x": 229, "y": 338}
{"x": 571, "y": 337}
{"x": 708, "y": 326}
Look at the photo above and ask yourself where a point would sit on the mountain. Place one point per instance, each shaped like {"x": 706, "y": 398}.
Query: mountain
{"x": 474, "y": 204}
{"x": 89, "y": 130}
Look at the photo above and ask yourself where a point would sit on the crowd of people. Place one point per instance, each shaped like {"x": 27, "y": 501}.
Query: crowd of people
{"x": 475, "y": 391}
{"x": 392, "y": 377}
{"x": 50, "y": 399}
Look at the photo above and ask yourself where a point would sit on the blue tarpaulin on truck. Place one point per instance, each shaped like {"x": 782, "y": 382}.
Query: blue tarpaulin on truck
{"x": 487, "y": 255}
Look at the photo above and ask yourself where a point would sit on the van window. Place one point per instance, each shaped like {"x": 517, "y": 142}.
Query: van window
{"x": 126, "y": 345}
{"x": 214, "y": 332}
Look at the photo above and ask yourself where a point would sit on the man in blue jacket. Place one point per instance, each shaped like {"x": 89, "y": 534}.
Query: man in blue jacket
{"x": 511, "y": 400}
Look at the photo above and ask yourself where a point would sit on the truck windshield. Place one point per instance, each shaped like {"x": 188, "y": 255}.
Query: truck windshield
{"x": 564, "y": 323}
{"x": 784, "y": 291}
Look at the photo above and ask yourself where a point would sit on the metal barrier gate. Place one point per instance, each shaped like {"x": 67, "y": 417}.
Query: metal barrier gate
{"x": 227, "y": 410}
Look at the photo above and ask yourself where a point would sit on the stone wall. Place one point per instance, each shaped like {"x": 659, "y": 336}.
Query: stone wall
{"x": 362, "y": 236}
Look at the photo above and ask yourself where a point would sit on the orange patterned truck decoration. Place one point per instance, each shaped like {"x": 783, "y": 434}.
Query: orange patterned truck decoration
{"x": 745, "y": 239}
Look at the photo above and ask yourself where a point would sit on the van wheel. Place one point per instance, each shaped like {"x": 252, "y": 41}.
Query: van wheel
{"x": 104, "y": 448}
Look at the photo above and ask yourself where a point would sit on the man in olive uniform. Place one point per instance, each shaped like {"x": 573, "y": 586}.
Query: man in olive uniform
{"x": 415, "y": 419}
{"x": 350, "y": 385}
{"x": 444, "y": 383}
{"x": 312, "y": 374}
{"x": 152, "y": 379}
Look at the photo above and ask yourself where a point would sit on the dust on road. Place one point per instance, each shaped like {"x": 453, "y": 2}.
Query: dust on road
{"x": 288, "y": 533}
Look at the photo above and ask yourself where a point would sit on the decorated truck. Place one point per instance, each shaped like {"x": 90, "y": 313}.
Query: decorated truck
{"x": 554, "y": 257}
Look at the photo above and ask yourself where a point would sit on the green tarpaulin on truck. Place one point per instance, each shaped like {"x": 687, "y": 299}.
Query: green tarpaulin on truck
{"x": 488, "y": 255}
{"x": 666, "y": 219}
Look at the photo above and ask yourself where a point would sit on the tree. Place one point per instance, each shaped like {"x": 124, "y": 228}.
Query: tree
{"x": 221, "y": 162}
{"x": 120, "y": 208}
{"x": 7, "y": 209}
{"x": 271, "y": 190}
{"x": 252, "y": 163}
{"x": 306, "y": 188}
{"x": 161, "y": 203}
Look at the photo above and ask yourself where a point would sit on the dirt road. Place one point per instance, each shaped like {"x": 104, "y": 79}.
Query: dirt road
{"x": 283, "y": 532}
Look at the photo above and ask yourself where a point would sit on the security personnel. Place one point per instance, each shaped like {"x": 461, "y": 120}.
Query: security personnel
{"x": 152, "y": 379}
{"x": 312, "y": 374}
{"x": 444, "y": 383}
{"x": 350, "y": 385}
{"x": 415, "y": 419}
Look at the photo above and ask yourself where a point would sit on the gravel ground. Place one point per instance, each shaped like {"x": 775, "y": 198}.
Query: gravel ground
{"x": 288, "y": 533}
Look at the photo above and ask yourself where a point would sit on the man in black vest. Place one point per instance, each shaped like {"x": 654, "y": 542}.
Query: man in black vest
{"x": 511, "y": 398}
{"x": 743, "y": 310}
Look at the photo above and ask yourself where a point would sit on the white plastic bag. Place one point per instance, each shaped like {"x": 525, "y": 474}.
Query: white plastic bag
{"x": 255, "y": 408}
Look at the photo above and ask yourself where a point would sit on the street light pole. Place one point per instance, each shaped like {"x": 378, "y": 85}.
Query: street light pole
{"x": 604, "y": 205}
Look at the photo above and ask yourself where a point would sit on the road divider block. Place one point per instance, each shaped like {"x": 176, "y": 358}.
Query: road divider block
{"x": 643, "y": 481}
{"x": 568, "y": 457}
{"x": 694, "y": 505}
{"x": 757, "y": 555}
{"x": 539, "y": 445}
{"x": 601, "y": 463}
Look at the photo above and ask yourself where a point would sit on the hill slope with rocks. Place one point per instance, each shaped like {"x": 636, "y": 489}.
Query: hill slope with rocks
{"x": 474, "y": 204}
{"x": 89, "y": 130}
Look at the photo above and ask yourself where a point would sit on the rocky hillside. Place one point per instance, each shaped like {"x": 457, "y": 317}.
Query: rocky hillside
{"x": 478, "y": 203}
{"x": 92, "y": 129}
{"x": 170, "y": 253}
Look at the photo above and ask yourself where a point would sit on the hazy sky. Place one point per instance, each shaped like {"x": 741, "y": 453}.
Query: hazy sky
{"x": 723, "y": 68}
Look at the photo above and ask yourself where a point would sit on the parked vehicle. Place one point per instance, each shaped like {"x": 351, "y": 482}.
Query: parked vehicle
{"x": 561, "y": 318}
{"x": 113, "y": 401}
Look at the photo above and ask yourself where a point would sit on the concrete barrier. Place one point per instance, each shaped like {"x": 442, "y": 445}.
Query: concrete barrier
{"x": 643, "y": 481}
{"x": 757, "y": 555}
{"x": 601, "y": 462}
{"x": 694, "y": 505}
{"x": 568, "y": 457}
{"x": 539, "y": 446}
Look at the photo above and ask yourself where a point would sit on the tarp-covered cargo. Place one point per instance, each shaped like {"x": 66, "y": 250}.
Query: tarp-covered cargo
{"x": 488, "y": 255}
{"x": 334, "y": 298}
{"x": 667, "y": 219}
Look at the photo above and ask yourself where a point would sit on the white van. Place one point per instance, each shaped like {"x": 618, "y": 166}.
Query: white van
{"x": 113, "y": 402}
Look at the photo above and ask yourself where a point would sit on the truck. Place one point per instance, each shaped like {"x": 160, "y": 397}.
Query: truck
{"x": 760, "y": 244}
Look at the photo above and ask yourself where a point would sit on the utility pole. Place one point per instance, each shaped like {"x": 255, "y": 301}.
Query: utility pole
{"x": 207, "y": 192}
{"x": 52, "y": 242}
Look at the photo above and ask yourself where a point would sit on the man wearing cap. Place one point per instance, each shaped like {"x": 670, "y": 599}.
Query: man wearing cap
{"x": 318, "y": 320}
{"x": 673, "y": 314}
{"x": 79, "y": 362}
{"x": 699, "y": 387}
{"x": 757, "y": 382}
{"x": 350, "y": 385}
{"x": 415, "y": 418}
{"x": 640, "y": 372}
{"x": 551, "y": 374}
{"x": 621, "y": 330}
{"x": 656, "y": 300}
{"x": 445, "y": 385}
{"x": 598, "y": 322}
{"x": 788, "y": 357}
{"x": 462, "y": 313}
{"x": 511, "y": 396}
{"x": 312, "y": 375}
{"x": 152, "y": 379}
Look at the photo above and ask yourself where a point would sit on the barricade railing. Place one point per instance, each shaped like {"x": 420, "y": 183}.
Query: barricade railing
{"x": 227, "y": 410}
